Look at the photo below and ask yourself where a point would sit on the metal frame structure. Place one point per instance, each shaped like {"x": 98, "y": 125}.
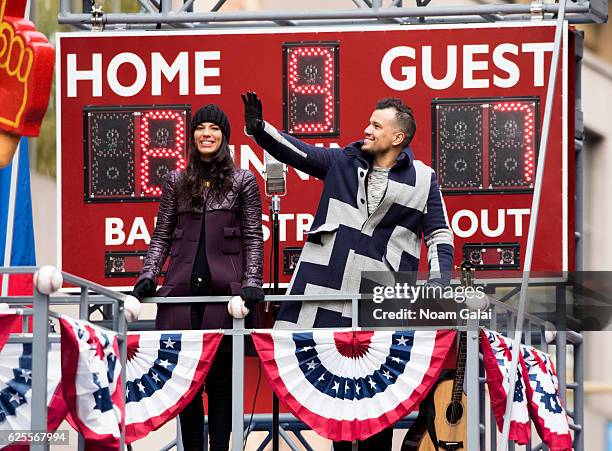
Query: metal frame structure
{"x": 158, "y": 13}
{"x": 503, "y": 319}
{"x": 41, "y": 336}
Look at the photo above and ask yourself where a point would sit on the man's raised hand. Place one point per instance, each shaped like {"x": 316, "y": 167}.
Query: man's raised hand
{"x": 253, "y": 112}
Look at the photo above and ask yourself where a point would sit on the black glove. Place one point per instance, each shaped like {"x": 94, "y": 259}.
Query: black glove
{"x": 144, "y": 289}
{"x": 251, "y": 296}
{"x": 253, "y": 112}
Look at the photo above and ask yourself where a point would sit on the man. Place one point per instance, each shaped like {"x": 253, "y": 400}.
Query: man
{"x": 377, "y": 201}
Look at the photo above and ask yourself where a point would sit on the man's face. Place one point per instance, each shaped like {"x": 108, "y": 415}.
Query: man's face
{"x": 382, "y": 133}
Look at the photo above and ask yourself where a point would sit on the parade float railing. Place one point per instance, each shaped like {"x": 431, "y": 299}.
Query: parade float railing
{"x": 481, "y": 432}
{"x": 41, "y": 334}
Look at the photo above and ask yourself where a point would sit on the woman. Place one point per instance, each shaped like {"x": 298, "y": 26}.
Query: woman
{"x": 209, "y": 222}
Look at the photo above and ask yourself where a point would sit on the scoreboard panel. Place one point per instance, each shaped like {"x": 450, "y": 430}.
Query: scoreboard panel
{"x": 478, "y": 93}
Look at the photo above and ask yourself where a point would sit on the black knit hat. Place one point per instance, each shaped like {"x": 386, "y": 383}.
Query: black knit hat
{"x": 211, "y": 113}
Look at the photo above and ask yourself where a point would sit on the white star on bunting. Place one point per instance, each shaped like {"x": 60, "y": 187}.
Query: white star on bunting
{"x": 311, "y": 365}
{"x": 402, "y": 341}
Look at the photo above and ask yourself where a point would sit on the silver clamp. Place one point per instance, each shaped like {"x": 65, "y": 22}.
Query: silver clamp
{"x": 537, "y": 10}
{"x": 97, "y": 18}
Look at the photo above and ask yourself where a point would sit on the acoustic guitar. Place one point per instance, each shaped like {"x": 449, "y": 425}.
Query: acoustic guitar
{"x": 450, "y": 414}
{"x": 443, "y": 415}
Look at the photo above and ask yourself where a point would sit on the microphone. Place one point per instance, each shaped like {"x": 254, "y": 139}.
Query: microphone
{"x": 275, "y": 176}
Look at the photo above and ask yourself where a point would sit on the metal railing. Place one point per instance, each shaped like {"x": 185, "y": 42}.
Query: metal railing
{"x": 479, "y": 437}
{"x": 364, "y": 13}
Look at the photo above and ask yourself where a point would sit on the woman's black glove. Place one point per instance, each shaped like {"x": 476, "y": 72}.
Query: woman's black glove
{"x": 144, "y": 289}
{"x": 251, "y": 296}
{"x": 253, "y": 112}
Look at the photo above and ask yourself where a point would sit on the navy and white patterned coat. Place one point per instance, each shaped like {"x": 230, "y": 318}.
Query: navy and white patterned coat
{"x": 344, "y": 240}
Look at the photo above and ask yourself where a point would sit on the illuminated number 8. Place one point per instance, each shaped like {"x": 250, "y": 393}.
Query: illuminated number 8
{"x": 159, "y": 151}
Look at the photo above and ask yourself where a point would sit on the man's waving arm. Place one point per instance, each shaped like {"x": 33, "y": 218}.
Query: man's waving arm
{"x": 307, "y": 158}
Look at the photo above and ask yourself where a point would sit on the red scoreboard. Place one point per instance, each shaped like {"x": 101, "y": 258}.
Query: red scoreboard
{"x": 478, "y": 93}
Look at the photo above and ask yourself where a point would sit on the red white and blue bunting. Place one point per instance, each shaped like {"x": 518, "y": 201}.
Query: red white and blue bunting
{"x": 16, "y": 388}
{"x": 8, "y": 322}
{"x": 91, "y": 382}
{"x": 497, "y": 353}
{"x": 545, "y": 404}
{"x": 164, "y": 371}
{"x": 351, "y": 385}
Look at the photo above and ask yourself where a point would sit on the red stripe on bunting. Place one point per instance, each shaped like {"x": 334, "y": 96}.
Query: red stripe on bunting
{"x": 343, "y": 430}
{"x": 544, "y": 372}
{"x": 8, "y": 323}
{"x": 519, "y": 432}
{"x": 70, "y": 364}
{"x": 135, "y": 431}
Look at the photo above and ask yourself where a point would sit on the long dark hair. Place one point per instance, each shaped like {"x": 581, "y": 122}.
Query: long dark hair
{"x": 218, "y": 172}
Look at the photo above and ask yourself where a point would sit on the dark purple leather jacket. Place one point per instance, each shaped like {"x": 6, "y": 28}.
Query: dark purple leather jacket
{"x": 234, "y": 248}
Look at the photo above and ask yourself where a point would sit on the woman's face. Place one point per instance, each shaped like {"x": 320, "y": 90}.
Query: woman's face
{"x": 208, "y": 138}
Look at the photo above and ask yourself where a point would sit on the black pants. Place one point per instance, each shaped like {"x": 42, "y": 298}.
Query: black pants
{"x": 218, "y": 388}
{"x": 378, "y": 442}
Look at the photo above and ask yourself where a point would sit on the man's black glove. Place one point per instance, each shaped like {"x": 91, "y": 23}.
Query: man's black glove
{"x": 144, "y": 289}
{"x": 253, "y": 112}
{"x": 251, "y": 296}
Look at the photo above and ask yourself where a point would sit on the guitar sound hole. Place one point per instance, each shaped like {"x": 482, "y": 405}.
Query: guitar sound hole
{"x": 454, "y": 412}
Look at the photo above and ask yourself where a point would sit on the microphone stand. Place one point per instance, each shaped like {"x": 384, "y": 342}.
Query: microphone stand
{"x": 275, "y": 187}
{"x": 274, "y": 212}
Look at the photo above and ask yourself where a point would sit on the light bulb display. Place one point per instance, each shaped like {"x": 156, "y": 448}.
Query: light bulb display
{"x": 128, "y": 151}
{"x": 311, "y": 89}
{"x": 486, "y": 144}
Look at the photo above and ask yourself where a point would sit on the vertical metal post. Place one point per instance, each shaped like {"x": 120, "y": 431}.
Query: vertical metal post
{"x": 179, "y": 435}
{"x": 561, "y": 349}
{"x": 493, "y": 437}
{"x": 354, "y": 325}
{"x": 543, "y": 342}
{"x": 84, "y": 304}
{"x": 238, "y": 385}
{"x": 275, "y": 211}
{"x": 472, "y": 387}
{"x": 535, "y": 207}
{"x": 578, "y": 224}
{"x": 166, "y": 6}
{"x": 482, "y": 404}
{"x": 527, "y": 339}
{"x": 40, "y": 343}
{"x": 25, "y": 324}
{"x": 122, "y": 336}
{"x": 83, "y": 315}
{"x": 579, "y": 395}
{"x": 64, "y": 7}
